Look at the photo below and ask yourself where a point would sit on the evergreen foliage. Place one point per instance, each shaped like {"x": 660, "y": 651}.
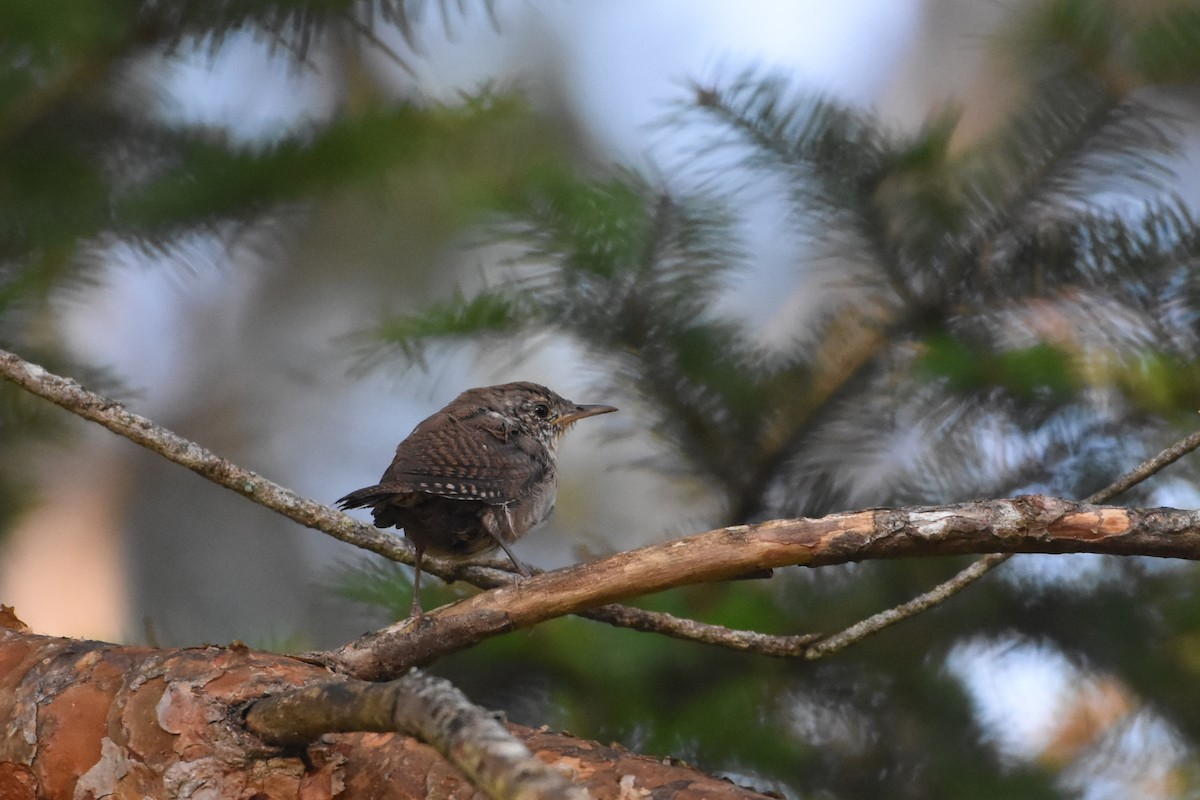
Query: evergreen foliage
{"x": 1023, "y": 318}
{"x": 958, "y": 252}
{"x": 1025, "y": 321}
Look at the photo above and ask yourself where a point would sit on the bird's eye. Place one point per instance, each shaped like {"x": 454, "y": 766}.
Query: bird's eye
{"x": 541, "y": 411}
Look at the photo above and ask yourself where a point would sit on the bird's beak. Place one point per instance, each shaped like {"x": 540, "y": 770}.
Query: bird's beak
{"x": 583, "y": 411}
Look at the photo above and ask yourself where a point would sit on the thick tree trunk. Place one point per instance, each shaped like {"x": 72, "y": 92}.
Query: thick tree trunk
{"x": 87, "y": 719}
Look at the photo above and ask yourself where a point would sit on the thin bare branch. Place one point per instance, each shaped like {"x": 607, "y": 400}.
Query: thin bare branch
{"x": 112, "y": 415}
{"x": 691, "y": 630}
{"x": 828, "y": 645}
{"x": 1147, "y": 468}
{"x": 944, "y": 591}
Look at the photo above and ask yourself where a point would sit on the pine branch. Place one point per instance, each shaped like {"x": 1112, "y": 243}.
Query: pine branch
{"x": 112, "y": 415}
{"x": 490, "y": 312}
{"x": 835, "y": 157}
{"x": 1132, "y": 255}
{"x": 296, "y": 28}
{"x": 1029, "y": 524}
{"x": 839, "y": 146}
{"x": 1069, "y": 133}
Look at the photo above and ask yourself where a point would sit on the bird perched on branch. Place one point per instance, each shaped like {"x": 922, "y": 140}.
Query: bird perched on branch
{"x": 477, "y": 475}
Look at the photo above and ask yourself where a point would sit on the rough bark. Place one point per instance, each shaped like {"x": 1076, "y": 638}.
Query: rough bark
{"x": 86, "y": 719}
{"x": 90, "y": 719}
{"x": 420, "y": 705}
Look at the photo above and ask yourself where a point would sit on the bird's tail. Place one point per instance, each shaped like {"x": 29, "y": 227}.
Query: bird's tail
{"x": 361, "y": 498}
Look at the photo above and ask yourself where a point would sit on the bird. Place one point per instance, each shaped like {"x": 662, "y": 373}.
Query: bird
{"x": 476, "y": 475}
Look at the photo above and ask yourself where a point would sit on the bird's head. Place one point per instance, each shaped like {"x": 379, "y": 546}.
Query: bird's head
{"x": 538, "y": 409}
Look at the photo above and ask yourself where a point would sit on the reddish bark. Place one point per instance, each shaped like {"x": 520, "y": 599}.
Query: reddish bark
{"x": 88, "y": 719}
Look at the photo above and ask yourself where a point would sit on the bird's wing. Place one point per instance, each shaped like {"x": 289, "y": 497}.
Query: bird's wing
{"x": 476, "y": 461}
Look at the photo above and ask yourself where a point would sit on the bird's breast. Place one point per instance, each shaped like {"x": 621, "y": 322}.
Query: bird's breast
{"x": 535, "y": 508}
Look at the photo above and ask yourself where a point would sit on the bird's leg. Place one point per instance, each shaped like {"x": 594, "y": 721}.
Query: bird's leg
{"x": 521, "y": 566}
{"x": 506, "y": 521}
{"x": 416, "y": 610}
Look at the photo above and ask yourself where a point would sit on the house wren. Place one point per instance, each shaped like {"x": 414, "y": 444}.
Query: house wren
{"x": 477, "y": 475}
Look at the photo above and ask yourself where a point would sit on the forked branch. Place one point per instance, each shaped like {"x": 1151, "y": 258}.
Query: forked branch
{"x": 1029, "y": 524}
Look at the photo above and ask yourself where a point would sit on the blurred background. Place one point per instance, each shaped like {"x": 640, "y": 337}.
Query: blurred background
{"x": 823, "y": 256}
